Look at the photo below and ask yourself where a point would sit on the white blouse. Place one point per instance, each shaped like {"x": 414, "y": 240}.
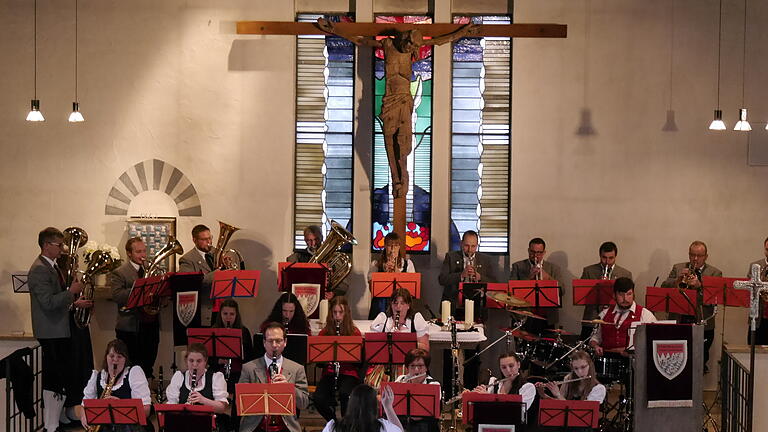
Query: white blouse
{"x": 136, "y": 379}
{"x": 527, "y": 391}
{"x": 386, "y": 426}
{"x": 419, "y": 323}
{"x": 180, "y": 378}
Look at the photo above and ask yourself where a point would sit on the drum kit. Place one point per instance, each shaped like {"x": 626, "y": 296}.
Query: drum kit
{"x": 548, "y": 358}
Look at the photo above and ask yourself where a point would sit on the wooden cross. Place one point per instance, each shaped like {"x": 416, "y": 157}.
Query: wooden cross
{"x": 356, "y": 32}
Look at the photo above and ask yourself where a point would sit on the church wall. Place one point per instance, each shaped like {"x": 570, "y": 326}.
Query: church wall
{"x": 171, "y": 80}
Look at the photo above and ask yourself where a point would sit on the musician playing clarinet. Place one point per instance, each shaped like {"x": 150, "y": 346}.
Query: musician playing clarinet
{"x": 417, "y": 361}
{"x": 400, "y": 317}
{"x": 118, "y": 380}
{"x": 198, "y": 385}
{"x": 347, "y": 377}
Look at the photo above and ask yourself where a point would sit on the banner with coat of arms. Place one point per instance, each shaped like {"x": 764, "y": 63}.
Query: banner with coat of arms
{"x": 670, "y": 366}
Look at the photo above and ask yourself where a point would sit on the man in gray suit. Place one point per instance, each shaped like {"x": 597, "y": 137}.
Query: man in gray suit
{"x": 606, "y": 269}
{"x": 537, "y": 268}
{"x": 761, "y": 336}
{"x": 689, "y": 274}
{"x": 50, "y": 301}
{"x": 139, "y": 330}
{"x": 281, "y": 370}
{"x": 466, "y": 265}
{"x": 200, "y": 259}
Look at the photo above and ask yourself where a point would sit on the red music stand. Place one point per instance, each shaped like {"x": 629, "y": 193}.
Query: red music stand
{"x": 539, "y": 293}
{"x": 415, "y": 400}
{"x": 235, "y": 283}
{"x": 470, "y": 399}
{"x": 145, "y": 289}
{"x": 593, "y": 292}
{"x": 326, "y": 349}
{"x": 114, "y": 412}
{"x": 669, "y": 300}
{"x": 265, "y": 399}
{"x": 184, "y": 417}
{"x": 569, "y": 413}
{"x": 219, "y": 342}
{"x": 719, "y": 290}
{"x": 388, "y": 348}
{"x": 489, "y": 286}
{"x": 383, "y": 284}
{"x": 291, "y": 273}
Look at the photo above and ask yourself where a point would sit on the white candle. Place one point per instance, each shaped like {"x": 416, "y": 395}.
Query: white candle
{"x": 323, "y": 311}
{"x": 445, "y": 311}
{"x": 469, "y": 311}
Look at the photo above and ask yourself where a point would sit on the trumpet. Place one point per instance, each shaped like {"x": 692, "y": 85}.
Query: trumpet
{"x": 688, "y": 277}
{"x": 539, "y": 265}
{"x": 471, "y": 263}
{"x": 606, "y": 272}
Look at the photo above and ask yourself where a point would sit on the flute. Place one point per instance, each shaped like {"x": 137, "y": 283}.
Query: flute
{"x": 568, "y": 380}
{"x": 408, "y": 378}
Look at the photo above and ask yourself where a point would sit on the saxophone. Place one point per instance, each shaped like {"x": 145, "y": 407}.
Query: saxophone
{"x": 106, "y": 393}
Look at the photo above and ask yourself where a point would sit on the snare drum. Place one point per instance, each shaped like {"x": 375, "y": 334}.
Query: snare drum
{"x": 611, "y": 369}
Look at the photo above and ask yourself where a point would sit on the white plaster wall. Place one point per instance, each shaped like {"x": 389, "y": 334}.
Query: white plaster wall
{"x": 171, "y": 80}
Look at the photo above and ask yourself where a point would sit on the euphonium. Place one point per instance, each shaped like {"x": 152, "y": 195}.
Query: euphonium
{"x": 74, "y": 239}
{"x": 154, "y": 268}
{"x": 101, "y": 262}
{"x": 225, "y": 233}
{"x": 328, "y": 252}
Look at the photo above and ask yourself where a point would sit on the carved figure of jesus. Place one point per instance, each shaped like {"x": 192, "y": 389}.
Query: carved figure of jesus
{"x": 400, "y": 52}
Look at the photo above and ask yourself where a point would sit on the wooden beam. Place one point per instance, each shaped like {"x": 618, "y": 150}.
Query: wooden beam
{"x": 376, "y": 29}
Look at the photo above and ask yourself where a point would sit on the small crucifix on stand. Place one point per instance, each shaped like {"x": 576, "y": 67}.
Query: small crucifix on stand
{"x": 757, "y": 288}
{"x": 399, "y": 47}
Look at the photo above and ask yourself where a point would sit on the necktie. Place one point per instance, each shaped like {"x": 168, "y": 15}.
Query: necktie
{"x": 209, "y": 260}
{"x": 141, "y": 272}
{"x": 61, "y": 276}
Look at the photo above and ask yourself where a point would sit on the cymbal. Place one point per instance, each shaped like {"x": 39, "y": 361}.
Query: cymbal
{"x": 528, "y": 314}
{"x": 507, "y": 299}
{"x": 559, "y": 331}
{"x": 521, "y": 334}
{"x": 595, "y": 321}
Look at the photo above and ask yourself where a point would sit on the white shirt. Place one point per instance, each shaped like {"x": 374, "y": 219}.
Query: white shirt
{"x": 268, "y": 362}
{"x": 621, "y": 314}
{"x": 419, "y": 323}
{"x": 135, "y": 266}
{"x": 386, "y": 426}
{"x": 136, "y": 379}
{"x": 219, "y": 386}
{"x": 597, "y": 393}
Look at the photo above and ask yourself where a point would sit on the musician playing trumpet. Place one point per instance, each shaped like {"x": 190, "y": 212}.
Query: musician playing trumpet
{"x": 417, "y": 362}
{"x": 198, "y": 384}
{"x": 391, "y": 260}
{"x": 580, "y": 384}
{"x": 118, "y": 380}
{"x": 465, "y": 265}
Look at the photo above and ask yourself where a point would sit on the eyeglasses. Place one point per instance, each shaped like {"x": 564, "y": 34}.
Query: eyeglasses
{"x": 57, "y": 244}
{"x": 275, "y": 341}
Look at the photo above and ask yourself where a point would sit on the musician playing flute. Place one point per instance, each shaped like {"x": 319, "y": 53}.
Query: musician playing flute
{"x": 198, "y": 384}
{"x": 512, "y": 382}
{"x": 580, "y": 384}
{"x": 391, "y": 260}
{"x": 417, "y": 362}
{"x": 118, "y": 380}
{"x": 339, "y": 324}
{"x": 274, "y": 368}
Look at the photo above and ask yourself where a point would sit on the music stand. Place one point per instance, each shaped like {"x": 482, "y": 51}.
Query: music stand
{"x": 471, "y": 287}
{"x": 114, "y": 412}
{"x": 720, "y": 290}
{"x": 265, "y": 399}
{"x": 415, "y": 400}
{"x": 291, "y": 273}
{"x": 144, "y": 289}
{"x": 235, "y": 283}
{"x": 295, "y": 347}
{"x": 538, "y": 293}
{"x": 593, "y": 292}
{"x": 185, "y": 418}
{"x": 219, "y": 342}
{"x": 383, "y": 284}
{"x": 485, "y": 408}
{"x": 388, "y": 348}
{"x": 669, "y": 300}
{"x": 326, "y": 349}
{"x": 569, "y": 413}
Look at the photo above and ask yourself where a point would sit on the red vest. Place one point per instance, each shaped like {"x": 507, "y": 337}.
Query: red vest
{"x": 618, "y": 337}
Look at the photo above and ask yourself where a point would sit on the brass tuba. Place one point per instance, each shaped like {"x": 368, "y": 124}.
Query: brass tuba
{"x": 155, "y": 269}
{"x": 101, "y": 262}
{"x": 338, "y": 262}
{"x": 74, "y": 239}
{"x": 225, "y": 233}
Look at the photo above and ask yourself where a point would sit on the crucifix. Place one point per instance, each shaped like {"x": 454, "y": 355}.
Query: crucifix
{"x": 757, "y": 288}
{"x": 400, "y": 43}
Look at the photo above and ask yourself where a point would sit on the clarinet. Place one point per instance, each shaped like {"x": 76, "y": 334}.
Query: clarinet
{"x": 273, "y": 367}
{"x": 193, "y": 384}
{"x": 228, "y": 363}
{"x": 397, "y": 321}
{"x": 336, "y": 369}
{"x": 160, "y": 395}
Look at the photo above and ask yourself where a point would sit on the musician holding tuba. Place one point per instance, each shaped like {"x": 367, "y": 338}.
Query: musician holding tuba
{"x": 117, "y": 380}
{"x": 391, "y": 260}
{"x": 50, "y": 301}
{"x": 318, "y": 250}
{"x": 139, "y": 330}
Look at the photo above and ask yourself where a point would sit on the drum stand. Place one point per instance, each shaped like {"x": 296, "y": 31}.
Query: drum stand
{"x": 623, "y": 419}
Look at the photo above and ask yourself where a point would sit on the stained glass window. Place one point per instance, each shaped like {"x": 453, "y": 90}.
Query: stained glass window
{"x": 324, "y": 112}
{"x": 419, "y": 197}
{"x": 480, "y": 140}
